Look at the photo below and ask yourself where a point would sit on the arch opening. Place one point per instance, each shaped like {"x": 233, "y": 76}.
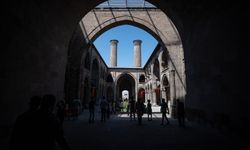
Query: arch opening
{"x": 125, "y": 83}
{"x": 164, "y": 32}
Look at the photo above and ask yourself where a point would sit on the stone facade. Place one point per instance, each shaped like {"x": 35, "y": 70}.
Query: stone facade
{"x": 154, "y": 81}
{"x": 165, "y": 64}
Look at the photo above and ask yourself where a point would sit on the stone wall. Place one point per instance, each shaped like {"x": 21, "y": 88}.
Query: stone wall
{"x": 36, "y": 37}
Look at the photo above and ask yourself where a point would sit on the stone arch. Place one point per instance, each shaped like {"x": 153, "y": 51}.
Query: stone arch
{"x": 161, "y": 29}
{"x": 122, "y": 74}
{"x": 125, "y": 81}
{"x": 142, "y": 78}
{"x": 145, "y": 19}
{"x": 190, "y": 16}
{"x": 109, "y": 79}
{"x": 147, "y": 28}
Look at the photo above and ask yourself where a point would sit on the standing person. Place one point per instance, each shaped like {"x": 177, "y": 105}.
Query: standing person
{"x": 132, "y": 108}
{"x": 164, "y": 107}
{"x": 103, "y": 106}
{"x": 92, "y": 110}
{"x": 149, "y": 110}
{"x": 181, "y": 113}
{"x": 140, "y": 110}
{"x": 24, "y": 131}
{"x": 42, "y": 129}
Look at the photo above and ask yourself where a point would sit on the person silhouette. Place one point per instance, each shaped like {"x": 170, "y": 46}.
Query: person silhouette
{"x": 91, "y": 110}
{"x": 24, "y": 130}
{"x": 140, "y": 110}
{"x": 164, "y": 107}
{"x": 49, "y": 131}
{"x": 103, "y": 106}
{"x": 149, "y": 110}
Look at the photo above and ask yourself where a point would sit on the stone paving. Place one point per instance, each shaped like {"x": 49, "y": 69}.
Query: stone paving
{"x": 119, "y": 133}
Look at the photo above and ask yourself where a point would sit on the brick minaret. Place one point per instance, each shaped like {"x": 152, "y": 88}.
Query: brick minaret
{"x": 113, "y": 53}
{"x": 137, "y": 53}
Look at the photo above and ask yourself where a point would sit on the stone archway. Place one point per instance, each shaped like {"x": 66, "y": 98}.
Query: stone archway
{"x": 206, "y": 31}
{"x": 98, "y": 21}
{"x": 125, "y": 82}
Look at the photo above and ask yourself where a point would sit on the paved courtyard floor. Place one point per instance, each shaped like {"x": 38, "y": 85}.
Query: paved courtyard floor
{"x": 119, "y": 133}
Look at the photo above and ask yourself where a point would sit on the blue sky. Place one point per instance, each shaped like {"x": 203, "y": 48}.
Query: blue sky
{"x": 125, "y": 34}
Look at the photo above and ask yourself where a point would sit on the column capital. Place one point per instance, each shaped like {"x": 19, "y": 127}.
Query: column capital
{"x": 114, "y": 41}
{"x": 137, "y": 42}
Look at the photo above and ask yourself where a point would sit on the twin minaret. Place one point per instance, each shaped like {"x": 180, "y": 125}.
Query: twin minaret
{"x": 113, "y": 53}
{"x": 137, "y": 53}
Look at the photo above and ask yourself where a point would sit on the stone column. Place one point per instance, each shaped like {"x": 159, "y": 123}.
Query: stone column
{"x": 172, "y": 94}
{"x": 153, "y": 82}
{"x": 135, "y": 89}
{"x": 163, "y": 93}
{"x": 137, "y": 53}
{"x": 115, "y": 87}
{"x": 146, "y": 94}
{"x": 114, "y": 96}
{"x": 113, "y": 53}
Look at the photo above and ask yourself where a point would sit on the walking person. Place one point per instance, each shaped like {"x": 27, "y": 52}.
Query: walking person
{"x": 140, "y": 110}
{"x": 149, "y": 110}
{"x": 92, "y": 110}
{"x": 103, "y": 106}
{"x": 164, "y": 107}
